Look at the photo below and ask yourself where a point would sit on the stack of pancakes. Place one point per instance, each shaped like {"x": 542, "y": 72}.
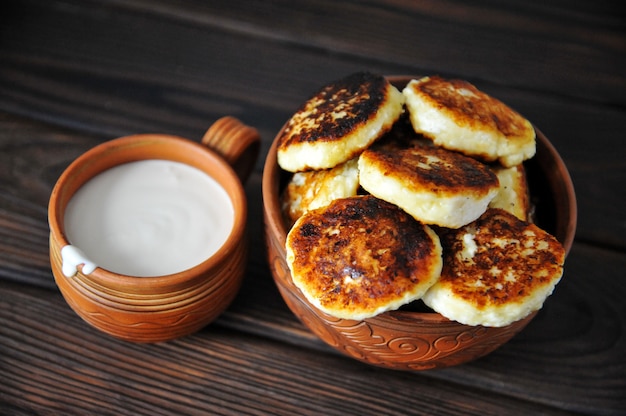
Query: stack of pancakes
{"x": 416, "y": 194}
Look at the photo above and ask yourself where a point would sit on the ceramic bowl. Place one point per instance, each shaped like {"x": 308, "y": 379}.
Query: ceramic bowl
{"x": 160, "y": 308}
{"x": 416, "y": 339}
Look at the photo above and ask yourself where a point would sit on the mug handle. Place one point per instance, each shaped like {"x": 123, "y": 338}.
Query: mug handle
{"x": 236, "y": 142}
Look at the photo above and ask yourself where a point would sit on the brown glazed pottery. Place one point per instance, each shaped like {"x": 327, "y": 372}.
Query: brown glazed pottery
{"x": 152, "y": 309}
{"x": 417, "y": 339}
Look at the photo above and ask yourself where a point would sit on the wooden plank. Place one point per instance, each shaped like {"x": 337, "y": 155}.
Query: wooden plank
{"x": 534, "y": 46}
{"x": 205, "y": 43}
{"x": 53, "y": 362}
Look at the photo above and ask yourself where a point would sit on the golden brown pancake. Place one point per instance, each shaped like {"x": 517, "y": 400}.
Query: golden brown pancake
{"x": 513, "y": 195}
{"x": 434, "y": 185}
{"x": 317, "y": 188}
{"x": 338, "y": 122}
{"x": 458, "y": 116}
{"x": 496, "y": 270}
{"x": 361, "y": 256}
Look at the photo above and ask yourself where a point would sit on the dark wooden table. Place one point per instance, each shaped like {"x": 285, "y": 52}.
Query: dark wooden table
{"x": 76, "y": 73}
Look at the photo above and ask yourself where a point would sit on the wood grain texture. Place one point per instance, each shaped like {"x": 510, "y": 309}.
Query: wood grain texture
{"x": 537, "y": 39}
{"x": 76, "y": 73}
{"x": 61, "y": 365}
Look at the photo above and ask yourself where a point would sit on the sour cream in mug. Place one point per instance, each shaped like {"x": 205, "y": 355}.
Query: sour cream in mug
{"x": 147, "y": 218}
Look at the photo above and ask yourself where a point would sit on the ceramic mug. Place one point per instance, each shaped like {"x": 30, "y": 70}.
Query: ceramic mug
{"x": 159, "y": 308}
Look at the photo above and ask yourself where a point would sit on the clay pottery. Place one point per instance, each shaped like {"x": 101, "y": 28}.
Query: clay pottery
{"x": 152, "y": 309}
{"x": 416, "y": 339}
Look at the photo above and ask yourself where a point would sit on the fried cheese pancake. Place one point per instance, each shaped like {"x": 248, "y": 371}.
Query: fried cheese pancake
{"x": 361, "y": 256}
{"x": 497, "y": 270}
{"x": 338, "y": 122}
{"x": 513, "y": 195}
{"x": 458, "y": 116}
{"x": 317, "y": 188}
{"x": 434, "y": 185}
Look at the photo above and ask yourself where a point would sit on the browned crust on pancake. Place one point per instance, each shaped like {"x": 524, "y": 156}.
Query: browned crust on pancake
{"x": 474, "y": 111}
{"x": 501, "y": 241}
{"x": 313, "y": 186}
{"x": 373, "y": 243}
{"x": 439, "y": 171}
{"x": 322, "y": 117}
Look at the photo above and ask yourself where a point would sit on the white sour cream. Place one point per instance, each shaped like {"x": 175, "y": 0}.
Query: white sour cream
{"x": 147, "y": 218}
